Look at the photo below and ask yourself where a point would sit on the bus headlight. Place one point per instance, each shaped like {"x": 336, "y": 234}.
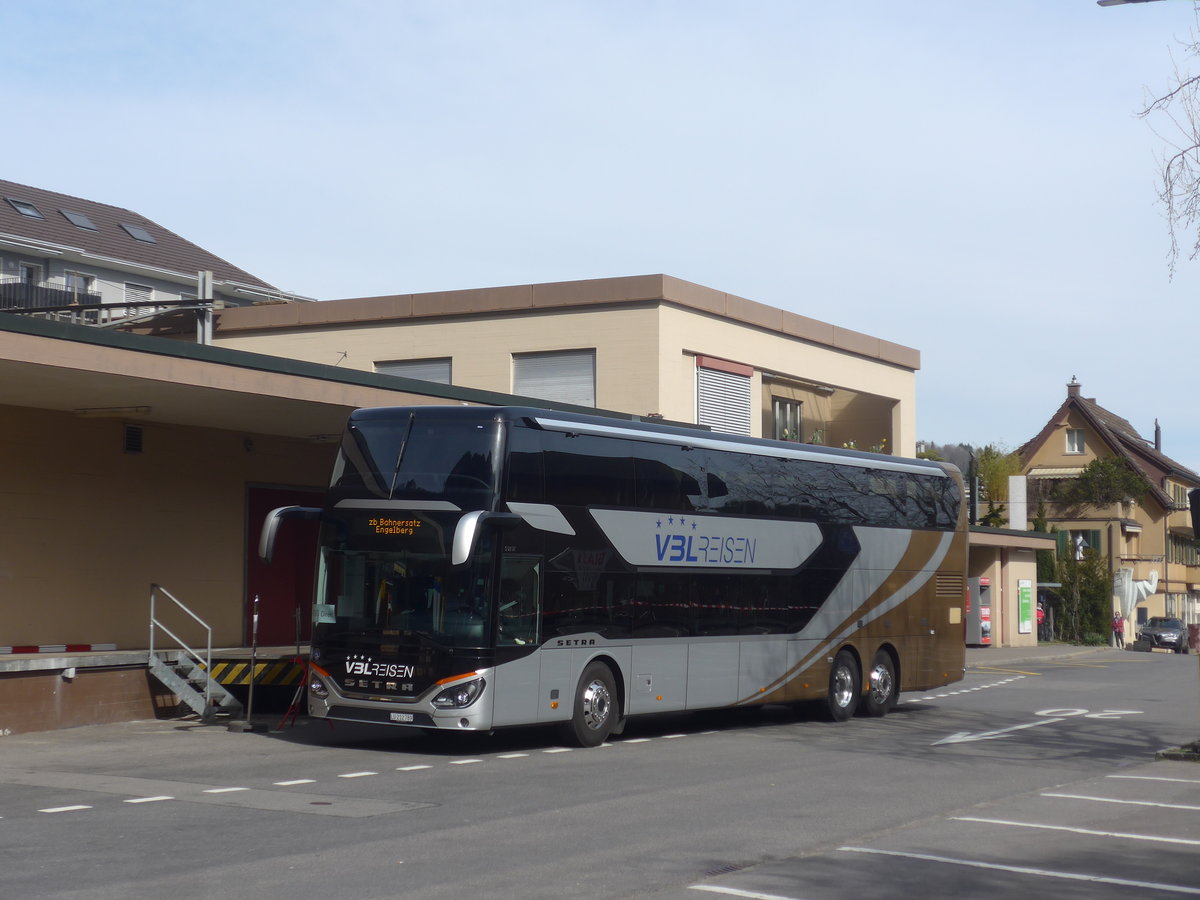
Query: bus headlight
{"x": 317, "y": 686}
{"x": 459, "y": 696}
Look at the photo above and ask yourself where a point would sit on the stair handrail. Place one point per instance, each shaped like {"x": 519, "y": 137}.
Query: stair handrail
{"x": 206, "y": 660}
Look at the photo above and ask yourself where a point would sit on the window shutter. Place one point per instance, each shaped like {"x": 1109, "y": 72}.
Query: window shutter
{"x": 564, "y": 376}
{"x": 723, "y": 401}
{"x": 435, "y": 370}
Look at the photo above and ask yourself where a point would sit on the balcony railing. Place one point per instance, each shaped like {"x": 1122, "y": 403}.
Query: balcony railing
{"x": 17, "y": 295}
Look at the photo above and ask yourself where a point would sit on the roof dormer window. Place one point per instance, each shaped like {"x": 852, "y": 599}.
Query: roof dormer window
{"x": 25, "y": 208}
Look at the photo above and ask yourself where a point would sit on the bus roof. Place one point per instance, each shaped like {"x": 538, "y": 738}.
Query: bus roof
{"x": 636, "y": 429}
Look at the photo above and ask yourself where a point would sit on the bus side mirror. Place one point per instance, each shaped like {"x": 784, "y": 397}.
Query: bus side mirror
{"x": 466, "y": 535}
{"x": 1194, "y": 503}
{"x": 270, "y": 526}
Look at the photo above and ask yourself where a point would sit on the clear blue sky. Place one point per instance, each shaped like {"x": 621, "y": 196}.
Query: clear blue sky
{"x": 966, "y": 177}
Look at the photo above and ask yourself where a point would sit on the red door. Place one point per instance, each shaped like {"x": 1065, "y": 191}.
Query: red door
{"x": 284, "y": 587}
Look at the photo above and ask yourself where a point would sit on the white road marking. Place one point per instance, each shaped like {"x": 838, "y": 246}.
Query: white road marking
{"x": 357, "y": 774}
{"x": 149, "y": 799}
{"x": 1027, "y": 870}
{"x": 58, "y": 809}
{"x": 512, "y": 756}
{"x": 412, "y": 768}
{"x": 966, "y": 736}
{"x": 296, "y": 781}
{"x": 1115, "y": 834}
{"x": 464, "y": 762}
{"x": 229, "y": 790}
{"x": 1156, "y": 778}
{"x": 734, "y": 892}
{"x": 1124, "y": 802}
{"x": 558, "y": 750}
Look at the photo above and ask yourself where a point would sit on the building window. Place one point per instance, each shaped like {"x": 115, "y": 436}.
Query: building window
{"x": 24, "y": 208}
{"x": 723, "y": 395}
{"x": 1179, "y": 496}
{"x": 79, "y": 220}
{"x": 435, "y": 370}
{"x": 1078, "y": 544}
{"x": 565, "y": 376}
{"x": 138, "y": 294}
{"x": 786, "y": 415}
{"x": 31, "y": 273}
{"x": 138, "y": 233}
{"x": 79, "y": 284}
{"x": 1074, "y": 440}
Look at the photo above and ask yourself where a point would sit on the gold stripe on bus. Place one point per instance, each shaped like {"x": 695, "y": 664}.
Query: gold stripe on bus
{"x": 923, "y": 547}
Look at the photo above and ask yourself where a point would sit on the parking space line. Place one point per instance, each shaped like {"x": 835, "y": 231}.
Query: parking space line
{"x": 1115, "y": 834}
{"x": 1027, "y": 870}
{"x": 735, "y": 892}
{"x": 1123, "y": 802}
{"x": 58, "y": 809}
{"x": 1156, "y": 778}
{"x": 149, "y": 799}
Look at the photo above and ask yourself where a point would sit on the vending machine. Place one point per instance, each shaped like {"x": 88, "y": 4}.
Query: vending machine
{"x": 979, "y": 612}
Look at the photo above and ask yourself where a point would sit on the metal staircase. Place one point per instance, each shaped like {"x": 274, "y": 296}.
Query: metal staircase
{"x": 183, "y": 670}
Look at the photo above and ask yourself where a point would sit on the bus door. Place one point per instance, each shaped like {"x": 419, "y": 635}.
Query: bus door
{"x": 518, "y": 635}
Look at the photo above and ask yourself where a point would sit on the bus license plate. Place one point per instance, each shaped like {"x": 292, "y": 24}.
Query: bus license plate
{"x": 401, "y": 717}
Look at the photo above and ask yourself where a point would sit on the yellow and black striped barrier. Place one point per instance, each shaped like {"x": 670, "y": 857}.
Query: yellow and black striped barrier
{"x": 228, "y": 672}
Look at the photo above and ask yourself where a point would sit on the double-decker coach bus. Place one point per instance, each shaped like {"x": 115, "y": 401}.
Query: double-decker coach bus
{"x": 485, "y": 567}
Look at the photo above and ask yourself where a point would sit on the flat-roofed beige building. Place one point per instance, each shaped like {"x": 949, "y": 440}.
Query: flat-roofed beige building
{"x": 643, "y": 345}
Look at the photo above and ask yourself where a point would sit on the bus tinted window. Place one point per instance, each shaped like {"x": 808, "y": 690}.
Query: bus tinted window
{"x": 448, "y": 460}
{"x": 583, "y": 470}
{"x": 367, "y": 459}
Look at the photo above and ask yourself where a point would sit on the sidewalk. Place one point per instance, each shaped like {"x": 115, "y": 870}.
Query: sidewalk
{"x": 1011, "y": 656}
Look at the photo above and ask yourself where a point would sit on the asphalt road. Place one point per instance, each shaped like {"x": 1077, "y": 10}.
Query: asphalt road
{"x": 1026, "y": 778}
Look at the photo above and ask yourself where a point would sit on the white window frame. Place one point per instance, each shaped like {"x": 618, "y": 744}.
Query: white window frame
{"x": 1075, "y": 441}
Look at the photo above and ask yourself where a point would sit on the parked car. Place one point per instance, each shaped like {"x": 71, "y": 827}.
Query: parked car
{"x": 1162, "y": 631}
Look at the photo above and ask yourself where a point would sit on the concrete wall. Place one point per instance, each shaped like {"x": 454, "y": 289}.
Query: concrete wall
{"x": 88, "y": 526}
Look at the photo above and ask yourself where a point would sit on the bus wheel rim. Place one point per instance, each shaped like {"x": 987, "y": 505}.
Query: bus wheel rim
{"x": 596, "y": 704}
{"x": 881, "y": 683}
{"x": 843, "y": 687}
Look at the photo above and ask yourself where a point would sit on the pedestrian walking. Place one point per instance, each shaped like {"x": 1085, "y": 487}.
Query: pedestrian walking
{"x": 1118, "y": 626}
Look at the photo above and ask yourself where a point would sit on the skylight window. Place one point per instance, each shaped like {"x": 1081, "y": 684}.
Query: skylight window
{"x": 25, "y": 208}
{"x": 138, "y": 233}
{"x": 79, "y": 220}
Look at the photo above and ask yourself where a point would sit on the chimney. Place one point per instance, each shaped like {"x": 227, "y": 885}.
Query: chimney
{"x": 1157, "y": 436}
{"x": 1074, "y": 387}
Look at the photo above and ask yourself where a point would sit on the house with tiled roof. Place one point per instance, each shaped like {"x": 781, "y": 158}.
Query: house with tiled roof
{"x": 92, "y": 263}
{"x": 1148, "y": 541}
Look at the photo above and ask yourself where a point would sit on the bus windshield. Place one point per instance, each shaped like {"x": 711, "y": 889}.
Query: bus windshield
{"x": 381, "y": 595}
{"x": 419, "y": 458}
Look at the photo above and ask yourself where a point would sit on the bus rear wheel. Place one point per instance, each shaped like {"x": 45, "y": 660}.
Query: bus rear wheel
{"x": 845, "y": 686}
{"x": 881, "y": 686}
{"x": 595, "y": 712}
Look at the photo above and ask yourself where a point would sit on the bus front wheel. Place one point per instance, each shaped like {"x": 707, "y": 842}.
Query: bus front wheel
{"x": 845, "y": 685}
{"x": 595, "y": 711}
{"x": 881, "y": 686}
